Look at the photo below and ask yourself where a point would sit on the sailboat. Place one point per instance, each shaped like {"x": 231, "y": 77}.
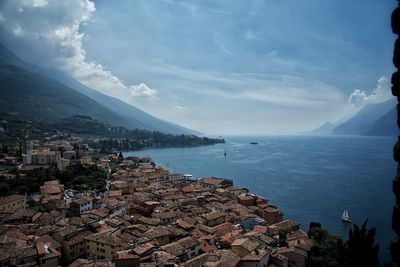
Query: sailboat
{"x": 345, "y": 217}
{"x": 225, "y": 152}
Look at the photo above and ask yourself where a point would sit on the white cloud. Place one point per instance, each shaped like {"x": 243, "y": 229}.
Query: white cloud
{"x": 18, "y": 30}
{"x": 250, "y": 35}
{"x": 219, "y": 42}
{"x": 380, "y": 93}
{"x": 52, "y": 31}
{"x": 35, "y": 3}
{"x": 179, "y": 107}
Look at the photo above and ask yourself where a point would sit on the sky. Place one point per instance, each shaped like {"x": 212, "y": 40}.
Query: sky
{"x": 220, "y": 67}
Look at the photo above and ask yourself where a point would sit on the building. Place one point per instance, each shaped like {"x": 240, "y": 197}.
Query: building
{"x": 250, "y": 221}
{"x": 86, "y": 159}
{"x": 104, "y": 163}
{"x": 62, "y": 164}
{"x": 214, "y": 218}
{"x": 271, "y": 215}
{"x": 48, "y": 256}
{"x": 75, "y": 246}
{"x": 243, "y": 247}
{"x": 103, "y": 246}
{"x": 11, "y": 204}
{"x": 247, "y": 200}
{"x": 80, "y": 205}
{"x": 127, "y": 258}
{"x": 185, "y": 248}
{"x": 70, "y": 154}
{"x": 41, "y": 157}
{"x": 174, "y": 177}
{"x": 257, "y": 258}
{"x": 218, "y": 182}
{"x": 287, "y": 225}
{"x": 51, "y": 190}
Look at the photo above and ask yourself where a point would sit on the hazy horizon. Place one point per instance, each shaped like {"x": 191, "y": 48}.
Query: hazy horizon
{"x": 235, "y": 68}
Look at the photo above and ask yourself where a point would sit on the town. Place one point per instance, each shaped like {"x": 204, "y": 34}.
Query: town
{"x": 134, "y": 213}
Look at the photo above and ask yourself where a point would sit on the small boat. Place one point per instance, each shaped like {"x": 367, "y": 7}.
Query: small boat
{"x": 253, "y": 143}
{"x": 345, "y": 217}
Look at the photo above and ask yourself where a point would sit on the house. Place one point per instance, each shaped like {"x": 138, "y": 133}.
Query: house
{"x": 247, "y": 200}
{"x": 217, "y": 182}
{"x": 185, "y": 248}
{"x": 104, "y": 163}
{"x": 243, "y": 246}
{"x": 295, "y": 256}
{"x": 66, "y": 233}
{"x": 251, "y": 221}
{"x": 270, "y": 215}
{"x": 191, "y": 247}
{"x": 173, "y": 177}
{"x": 70, "y": 154}
{"x": 166, "y": 217}
{"x": 62, "y": 164}
{"x": 80, "y": 205}
{"x": 144, "y": 250}
{"x": 214, "y": 218}
{"x": 221, "y": 258}
{"x": 12, "y": 203}
{"x": 51, "y": 190}
{"x": 279, "y": 260}
{"x": 14, "y": 256}
{"x": 10, "y": 161}
{"x": 257, "y": 258}
{"x": 48, "y": 256}
{"x": 126, "y": 258}
{"x": 75, "y": 247}
{"x": 287, "y": 225}
{"x": 103, "y": 245}
{"x": 162, "y": 259}
{"x": 86, "y": 159}
{"x": 160, "y": 234}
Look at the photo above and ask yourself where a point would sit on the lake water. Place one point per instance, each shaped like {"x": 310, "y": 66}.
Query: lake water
{"x": 308, "y": 178}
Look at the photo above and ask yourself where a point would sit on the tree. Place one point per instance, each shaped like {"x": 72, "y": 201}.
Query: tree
{"x": 361, "y": 248}
{"x": 327, "y": 250}
{"x": 283, "y": 242}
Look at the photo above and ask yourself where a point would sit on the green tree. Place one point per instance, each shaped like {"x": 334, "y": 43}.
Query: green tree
{"x": 327, "y": 250}
{"x": 361, "y": 248}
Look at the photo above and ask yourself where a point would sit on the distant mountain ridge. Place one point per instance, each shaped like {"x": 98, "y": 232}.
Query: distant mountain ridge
{"x": 139, "y": 118}
{"x": 374, "y": 120}
{"x": 52, "y": 95}
{"x": 384, "y": 126}
{"x": 361, "y": 123}
{"x": 324, "y": 129}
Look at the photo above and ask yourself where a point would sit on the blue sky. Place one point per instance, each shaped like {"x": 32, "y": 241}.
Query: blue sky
{"x": 221, "y": 67}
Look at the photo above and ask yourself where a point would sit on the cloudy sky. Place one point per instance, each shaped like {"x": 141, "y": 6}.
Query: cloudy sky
{"x": 220, "y": 67}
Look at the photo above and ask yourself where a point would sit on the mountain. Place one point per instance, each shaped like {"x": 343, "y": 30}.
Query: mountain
{"x": 384, "y": 126}
{"x": 139, "y": 118}
{"x": 32, "y": 95}
{"x": 45, "y": 96}
{"x": 324, "y": 129}
{"x": 361, "y": 123}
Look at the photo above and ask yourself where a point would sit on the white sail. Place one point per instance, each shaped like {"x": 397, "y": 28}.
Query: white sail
{"x": 345, "y": 215}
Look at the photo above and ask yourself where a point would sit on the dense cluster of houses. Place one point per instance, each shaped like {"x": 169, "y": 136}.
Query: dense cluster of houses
{"x": 148, "y": 217}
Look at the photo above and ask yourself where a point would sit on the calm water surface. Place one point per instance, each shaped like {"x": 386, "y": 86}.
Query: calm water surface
{"x": 308, "y": 178}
